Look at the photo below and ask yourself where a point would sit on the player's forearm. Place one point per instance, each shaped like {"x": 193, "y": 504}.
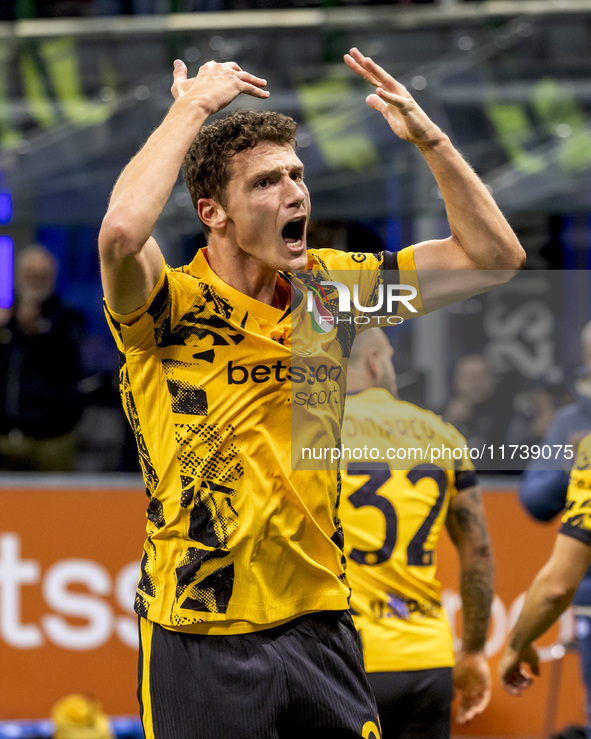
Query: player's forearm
{"x": 477, "y": 591}
{"x": 546, "y": 600}
{"x": 144, "y": 186}
{"x": 476, "y": 222}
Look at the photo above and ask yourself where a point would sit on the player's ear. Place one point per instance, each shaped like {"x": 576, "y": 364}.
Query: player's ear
{"x": 211, "y": 213}
{"x": 372, "y": 361}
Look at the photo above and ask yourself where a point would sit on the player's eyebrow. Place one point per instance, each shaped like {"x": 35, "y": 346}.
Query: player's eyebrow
{"x": 265, "y": 174}
{"x": 276, "y": 172}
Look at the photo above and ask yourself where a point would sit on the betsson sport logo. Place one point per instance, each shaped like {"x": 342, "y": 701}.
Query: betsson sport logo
{"x": 388, "y": 302}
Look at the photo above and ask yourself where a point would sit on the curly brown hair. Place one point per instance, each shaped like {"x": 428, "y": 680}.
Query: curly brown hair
{"x": 206, "y": 167}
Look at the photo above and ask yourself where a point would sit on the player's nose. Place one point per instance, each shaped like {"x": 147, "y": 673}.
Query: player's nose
{"x": 294, "y": 192}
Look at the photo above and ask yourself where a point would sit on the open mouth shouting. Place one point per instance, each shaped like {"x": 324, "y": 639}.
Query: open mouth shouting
{"x": 293, "y": 233}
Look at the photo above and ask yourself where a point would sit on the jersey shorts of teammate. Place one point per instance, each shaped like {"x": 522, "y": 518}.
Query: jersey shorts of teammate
{"x": 393, "y": 514}
{"x": 240, "y": 549}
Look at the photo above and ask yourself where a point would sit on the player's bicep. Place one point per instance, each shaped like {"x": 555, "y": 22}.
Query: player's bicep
{"x": 129, "y": 280}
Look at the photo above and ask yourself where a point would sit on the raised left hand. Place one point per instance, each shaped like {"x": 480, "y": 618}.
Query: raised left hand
{"x": 391, "y": 98}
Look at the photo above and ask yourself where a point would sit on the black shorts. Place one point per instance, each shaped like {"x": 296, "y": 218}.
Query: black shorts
{"x": 414, "y": 704}
{"x": 301, "y": 679}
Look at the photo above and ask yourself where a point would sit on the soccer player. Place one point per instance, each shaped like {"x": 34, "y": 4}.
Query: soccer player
{"x": 243, "y": 597}
{"x": 543, "y": 491}
{"x": 555, "y": 584}
{"x": 393, "y": 513}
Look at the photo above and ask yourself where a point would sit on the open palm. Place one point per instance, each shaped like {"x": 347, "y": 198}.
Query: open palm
{"x": 403, "y": 114}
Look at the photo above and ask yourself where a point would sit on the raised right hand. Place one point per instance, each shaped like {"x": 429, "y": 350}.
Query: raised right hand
{"x": 216, "y": 84}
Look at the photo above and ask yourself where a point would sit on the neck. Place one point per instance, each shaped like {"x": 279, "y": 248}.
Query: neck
{"x": 245, "y": 274}
{"x": 357, "y": 381}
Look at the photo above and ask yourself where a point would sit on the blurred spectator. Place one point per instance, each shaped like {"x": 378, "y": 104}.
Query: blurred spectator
{"x": 106, "y": 442}
{"x": 80, "y": 717}
{"x": 535, "y": 410}
{"x": 40, "y": 402}
{"x": 480, "y": 407}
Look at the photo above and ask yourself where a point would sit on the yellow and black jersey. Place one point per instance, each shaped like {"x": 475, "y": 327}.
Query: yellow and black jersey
{"x": 393, "y": 508}
{"x": 236, "y": 540}
{"x": 576, "y": 520}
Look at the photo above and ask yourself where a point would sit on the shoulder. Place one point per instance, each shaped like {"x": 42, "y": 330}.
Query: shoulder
{"x": 580, "y": 475}
{"x": 335, "y": 259}
{"x": 184, "y": 274}
{"x": 386, "y": 260}
{"x": 583, "y": 458}
{"x": 185, "y": 281}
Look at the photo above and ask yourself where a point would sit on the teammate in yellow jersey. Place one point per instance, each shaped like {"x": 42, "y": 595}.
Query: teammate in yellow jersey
{"x": 243, "y": 597}
{"x": 555, "y": 584}
{"x": 393, "y": 513}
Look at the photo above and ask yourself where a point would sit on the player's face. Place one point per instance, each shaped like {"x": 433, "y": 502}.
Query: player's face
{"x": 268, "y": 205}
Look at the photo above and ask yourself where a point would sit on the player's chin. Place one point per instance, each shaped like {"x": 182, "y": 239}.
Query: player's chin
{"x": 294, "y": 258}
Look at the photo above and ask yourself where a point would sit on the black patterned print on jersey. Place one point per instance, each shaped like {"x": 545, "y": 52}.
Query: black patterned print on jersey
{"x": 207, "y": 317}
{"x": 205, "y": 451}
{"x": 213, "y": 518}
{"x": 184, "y": 396}
{"x": 148, "y": 469}
{"x": 155, "y": 512}
{"x": 146, "y": 587}
{"x": 216, "y": 580}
